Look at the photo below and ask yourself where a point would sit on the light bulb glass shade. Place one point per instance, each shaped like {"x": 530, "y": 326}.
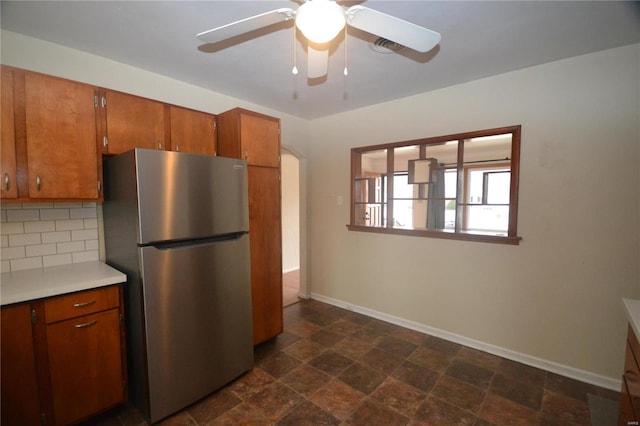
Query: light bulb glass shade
{"x": 320, "y": 20}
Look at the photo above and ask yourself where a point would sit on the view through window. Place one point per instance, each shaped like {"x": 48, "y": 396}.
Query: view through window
{"x": 462, "y": 186}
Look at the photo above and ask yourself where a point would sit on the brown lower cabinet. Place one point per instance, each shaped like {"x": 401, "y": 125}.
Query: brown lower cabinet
{"x": 63, "y": 358}
{"x": 630, "y": 391}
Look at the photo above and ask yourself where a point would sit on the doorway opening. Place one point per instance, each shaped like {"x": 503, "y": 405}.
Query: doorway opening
{"x": 290, "y": 181}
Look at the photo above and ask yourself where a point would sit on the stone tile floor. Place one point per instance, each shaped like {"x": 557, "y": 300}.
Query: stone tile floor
{"x": 335, "y": 367}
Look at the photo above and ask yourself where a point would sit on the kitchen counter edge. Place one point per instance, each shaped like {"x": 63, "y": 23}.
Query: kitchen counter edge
{"x": 32, "y": 284}
{"x": 632, "y": 309}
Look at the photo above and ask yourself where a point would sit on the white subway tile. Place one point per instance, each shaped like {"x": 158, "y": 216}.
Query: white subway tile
{"x": 3, "y": 216}
{"x": 27, "y": 263}
{"x": 11, "y": 206}
{"x": 42, "y": 226}
{"x": 41, "y": 250}
{"x": 67, "y": 205}
{"x": 84, "y": 213}
{"x": 68, "y": 225}
{"x": 4, "y": 241}
{"x": 5, "y": 266}
{"x": 91, "y": 245}
{"x": 90, "y": 205}
{"x": 12, "y": 228}
{"x": 85, "y": 256}
{"x": 54, "y": 214}
{"x": 56, "y": 237}
{"x": 12, "y": 253}
{"x": 24, "y": 239}
{"x": 70, "y": 247}
{"x": 58, "y": 259}
{"x": 88, "y": 234}
{"x": 41, "y": 206}
{"x": 23, "y": 215}
{"x": 90, "y": 223}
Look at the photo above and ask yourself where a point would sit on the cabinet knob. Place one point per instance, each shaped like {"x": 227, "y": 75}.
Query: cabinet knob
{"x": 38, "y": 182}
{"x": 6, "y": 181}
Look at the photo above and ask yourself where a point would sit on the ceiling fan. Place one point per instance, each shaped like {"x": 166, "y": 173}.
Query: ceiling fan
{"x": 320, "y": 21}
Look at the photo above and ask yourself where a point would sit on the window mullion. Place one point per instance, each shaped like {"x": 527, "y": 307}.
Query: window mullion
{"x": 460, "y": 187}
{"x": 390, "y": 176}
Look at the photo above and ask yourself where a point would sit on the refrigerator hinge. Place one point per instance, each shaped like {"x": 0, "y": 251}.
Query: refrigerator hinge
{"x": 34, "y": 318}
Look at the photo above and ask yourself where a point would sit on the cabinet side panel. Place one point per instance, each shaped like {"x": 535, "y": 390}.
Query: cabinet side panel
{"x": 19, "y": 385}
{"x": 266, "y": 251}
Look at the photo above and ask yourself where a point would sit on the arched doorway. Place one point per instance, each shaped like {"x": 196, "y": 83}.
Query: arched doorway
{"x": 291, "y": 241}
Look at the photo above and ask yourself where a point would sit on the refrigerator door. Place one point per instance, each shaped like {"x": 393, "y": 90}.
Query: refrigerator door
{"x": 197, "y": 306}
{"x": 184, "y": 196}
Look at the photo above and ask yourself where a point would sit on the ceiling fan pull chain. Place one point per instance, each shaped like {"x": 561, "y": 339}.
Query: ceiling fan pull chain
{"x": 346, "y": 72}
{"x": 294, "y": 71}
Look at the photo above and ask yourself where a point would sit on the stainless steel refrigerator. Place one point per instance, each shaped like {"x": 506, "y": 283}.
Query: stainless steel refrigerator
{"x": 177, "y": 224}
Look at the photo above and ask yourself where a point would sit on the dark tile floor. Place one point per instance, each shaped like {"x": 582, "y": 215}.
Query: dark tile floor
{"x": 335, "y": 367}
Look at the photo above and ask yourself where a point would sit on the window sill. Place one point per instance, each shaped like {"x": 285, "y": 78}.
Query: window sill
{"x": 447, "y": 235}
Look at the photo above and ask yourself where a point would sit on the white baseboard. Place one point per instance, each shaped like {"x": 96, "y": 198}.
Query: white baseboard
{"x": 563, "y": 370}
{"x": 297, "y": 268}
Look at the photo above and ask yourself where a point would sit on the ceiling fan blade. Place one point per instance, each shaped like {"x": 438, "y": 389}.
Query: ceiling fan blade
{"x": 392, "y": 28}
{"x": 246, "y": 25}
{"x": 317, "y": 62}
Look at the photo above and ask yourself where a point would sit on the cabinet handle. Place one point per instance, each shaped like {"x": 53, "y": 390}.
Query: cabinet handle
{"x": 177, "y": 147}
{"x": 159, "y": 144}
{"x": 6, "y": 181}
{"x": 83, "y": 304}
{"x": 246, "y": 154}
{"x": 86, "y": 324}
{"x": 105, "y": 142}
{"x": 630, "y": 375}
{"x": 38, "y": 182}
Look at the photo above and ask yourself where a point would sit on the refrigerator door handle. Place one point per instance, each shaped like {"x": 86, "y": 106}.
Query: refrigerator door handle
{"x": 169, "y": 245}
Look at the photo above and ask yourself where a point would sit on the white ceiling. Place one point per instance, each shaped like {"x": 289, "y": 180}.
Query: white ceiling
{"x": 479, "y": 39}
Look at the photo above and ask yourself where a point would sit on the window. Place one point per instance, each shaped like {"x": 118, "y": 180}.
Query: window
{"x": 462, "y": 186}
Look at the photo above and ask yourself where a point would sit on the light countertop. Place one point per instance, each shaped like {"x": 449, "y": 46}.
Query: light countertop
{"x": 632, "y": 309}
{"x": 31, "y": 284}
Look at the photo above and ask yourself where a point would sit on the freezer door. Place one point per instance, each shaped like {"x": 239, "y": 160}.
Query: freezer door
{"x": 185, "y": 196}
{"x": 198, "y": 327}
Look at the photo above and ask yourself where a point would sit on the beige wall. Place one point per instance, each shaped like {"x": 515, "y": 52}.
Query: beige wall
{"x": 290, "y": 212}
{"x": 556, "y": 298}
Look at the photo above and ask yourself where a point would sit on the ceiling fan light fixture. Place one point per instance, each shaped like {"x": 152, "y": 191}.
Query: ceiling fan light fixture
{"x": 320, "y": 20}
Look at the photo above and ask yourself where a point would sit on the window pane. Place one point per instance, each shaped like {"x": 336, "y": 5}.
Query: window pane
{"x": 498, "y": 185}
{"x": 488, "y": 218}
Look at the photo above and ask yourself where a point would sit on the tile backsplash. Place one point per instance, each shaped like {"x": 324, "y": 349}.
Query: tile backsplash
{"x": 47, "y": 234}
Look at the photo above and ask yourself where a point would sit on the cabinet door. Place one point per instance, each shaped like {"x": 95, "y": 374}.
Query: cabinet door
{"x": 133, "y": 122}
{"x": 19, "y": 386}
{"x": 85, "y": 365}
{"x": 7, "y": 147}
{"x": 192, "y": 131}
{"x": 260, "y": 140}
{"x": 266, "y": 251}
{"x": 61, "y": 138}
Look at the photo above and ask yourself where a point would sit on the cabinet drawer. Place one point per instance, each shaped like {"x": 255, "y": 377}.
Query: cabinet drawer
{"x": 81, "y": 303}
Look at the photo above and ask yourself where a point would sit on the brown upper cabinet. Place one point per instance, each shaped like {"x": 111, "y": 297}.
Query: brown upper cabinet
{"x": 131, "y": 122}
{"x": 192, "y": 131}
{"x": 251, "y": 136}
{"x": 49, "y": 136}
{"x": 9, "y": 187}
{"x": 54, "y": 132}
